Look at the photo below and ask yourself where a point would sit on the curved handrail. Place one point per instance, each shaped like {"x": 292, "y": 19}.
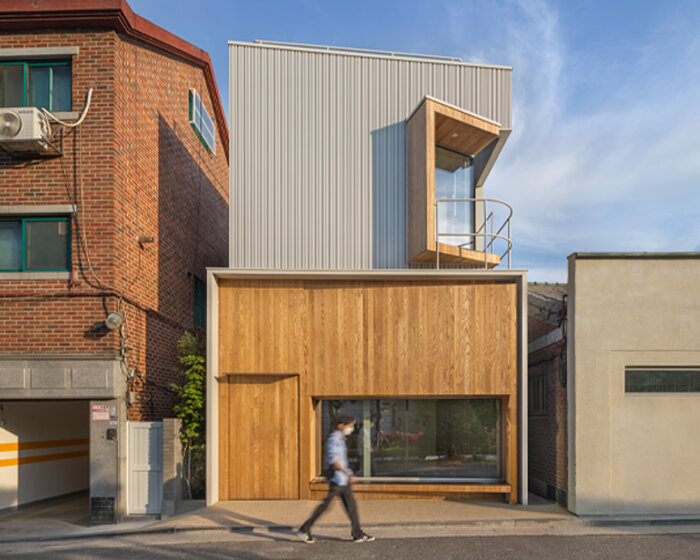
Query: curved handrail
{"x": 492, "y": 236}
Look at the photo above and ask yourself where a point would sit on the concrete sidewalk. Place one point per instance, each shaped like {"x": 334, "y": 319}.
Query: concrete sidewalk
{"x": 373, "y": 513}
{"x": 67, "y": 519}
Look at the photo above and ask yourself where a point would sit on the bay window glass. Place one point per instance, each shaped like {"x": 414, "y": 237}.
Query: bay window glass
{"x": 420, "y": 439}
{"x": 454, "y": 179}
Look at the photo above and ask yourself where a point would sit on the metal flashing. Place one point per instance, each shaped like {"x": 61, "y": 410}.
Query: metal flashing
{"x": 641, "y": 255}
{"x": 456, "y": 108}
{"x": 372, "y": 274}
{"x": 366, "y": 53}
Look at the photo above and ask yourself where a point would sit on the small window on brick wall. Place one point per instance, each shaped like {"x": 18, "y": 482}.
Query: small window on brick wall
{"x": 36, "y": 84}
{"x": 201, "y": 122}
{"x": 537, "y": 396}
{"x": 34, "y": 244}
{"x": 200, "y": 303}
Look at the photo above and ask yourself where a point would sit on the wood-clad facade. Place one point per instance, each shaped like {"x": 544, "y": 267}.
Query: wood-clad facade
{"x": 286, "y": 342}
{"x": 330, "y": 306}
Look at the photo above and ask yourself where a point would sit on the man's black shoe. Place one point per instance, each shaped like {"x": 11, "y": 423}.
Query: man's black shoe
{"x": 364, "y": 538}
{"x": 306, "y": 537}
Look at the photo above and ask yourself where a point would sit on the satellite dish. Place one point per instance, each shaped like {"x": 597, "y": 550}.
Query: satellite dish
{"x": 10, "y": 124}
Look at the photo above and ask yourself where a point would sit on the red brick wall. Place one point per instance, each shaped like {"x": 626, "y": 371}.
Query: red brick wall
{"x": 144, "y": 173}
{"x": 547, "y": 434}
{"x": 172, "y": 189}
{"x": 34, "y": 307}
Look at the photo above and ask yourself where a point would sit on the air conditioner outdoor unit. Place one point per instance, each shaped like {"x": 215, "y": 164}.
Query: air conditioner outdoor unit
{"x": 24, "y": 130}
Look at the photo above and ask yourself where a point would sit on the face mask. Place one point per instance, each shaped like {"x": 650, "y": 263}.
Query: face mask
{"x": 347, "y": 431}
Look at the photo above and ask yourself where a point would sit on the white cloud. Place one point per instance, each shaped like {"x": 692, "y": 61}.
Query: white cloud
{"x": 623, "y": 176}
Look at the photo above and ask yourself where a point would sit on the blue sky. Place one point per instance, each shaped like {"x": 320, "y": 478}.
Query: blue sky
{"x": 605, "y": 151}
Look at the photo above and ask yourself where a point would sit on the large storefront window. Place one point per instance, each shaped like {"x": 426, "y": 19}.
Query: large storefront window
{"x": 421, "y": 439}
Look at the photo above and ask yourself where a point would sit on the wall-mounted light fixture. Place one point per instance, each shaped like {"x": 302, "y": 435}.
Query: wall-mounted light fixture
{"x": 114, "y": 321}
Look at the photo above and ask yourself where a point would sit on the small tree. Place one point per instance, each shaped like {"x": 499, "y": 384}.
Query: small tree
{"x": 190, "y": 409}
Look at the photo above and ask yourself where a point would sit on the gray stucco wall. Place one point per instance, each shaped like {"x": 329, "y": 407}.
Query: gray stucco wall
{"x": 632, "y": 453}
{"x": 318, "y": 151}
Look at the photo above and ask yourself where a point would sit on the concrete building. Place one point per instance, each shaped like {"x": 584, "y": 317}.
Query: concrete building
{"x": 633, "y": 383}
{"x": 115, "y": 217}
{"x": 614, "y": 385}
{"x": 355, "y": 176}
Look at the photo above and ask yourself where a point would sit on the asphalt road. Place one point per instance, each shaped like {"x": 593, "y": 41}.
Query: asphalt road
{"x": 274, "y": 546}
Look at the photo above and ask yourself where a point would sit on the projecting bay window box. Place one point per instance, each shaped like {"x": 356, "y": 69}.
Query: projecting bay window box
{"x": 444, "y": 214}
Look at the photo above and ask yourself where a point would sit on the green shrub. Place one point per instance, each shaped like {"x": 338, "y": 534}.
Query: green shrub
{"x": 191, "y": 410}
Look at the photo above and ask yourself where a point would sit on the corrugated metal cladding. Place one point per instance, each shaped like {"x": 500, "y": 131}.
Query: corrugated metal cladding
{"x": 318, "y": 151}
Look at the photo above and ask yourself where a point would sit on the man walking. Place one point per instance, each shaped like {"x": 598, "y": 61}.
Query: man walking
{"x": 340, "y": 483}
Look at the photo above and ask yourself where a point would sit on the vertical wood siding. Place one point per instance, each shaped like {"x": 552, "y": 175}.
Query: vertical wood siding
{"x": 360, "y": 339}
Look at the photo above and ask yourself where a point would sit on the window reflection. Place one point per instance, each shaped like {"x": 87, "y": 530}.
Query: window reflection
{"x": 454, "y": 179}
{"x": 420, "y": 438}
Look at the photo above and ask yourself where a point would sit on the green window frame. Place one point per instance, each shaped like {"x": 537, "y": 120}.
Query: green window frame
{"x": 56, "y": 102}
{"x": 201, "y": 122}
{"x": 23, "y": 222}
{"x": 200, "y": 303}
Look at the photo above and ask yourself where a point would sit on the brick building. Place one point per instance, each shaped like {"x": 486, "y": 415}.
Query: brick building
{"x": 547, "y": 391}
{"x": 120, "y": 214}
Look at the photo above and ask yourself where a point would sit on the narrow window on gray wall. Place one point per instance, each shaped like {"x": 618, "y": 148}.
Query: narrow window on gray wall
{"x": 662, "y": 380}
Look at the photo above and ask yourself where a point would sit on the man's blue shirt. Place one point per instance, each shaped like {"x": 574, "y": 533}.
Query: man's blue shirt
{"x": 336, "y": 450}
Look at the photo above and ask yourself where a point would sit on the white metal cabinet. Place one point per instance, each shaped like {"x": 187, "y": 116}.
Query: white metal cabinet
{"x": 145, "y": 463}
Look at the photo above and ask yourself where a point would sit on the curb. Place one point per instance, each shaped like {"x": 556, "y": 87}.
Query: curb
{"x": 273, "y": 528}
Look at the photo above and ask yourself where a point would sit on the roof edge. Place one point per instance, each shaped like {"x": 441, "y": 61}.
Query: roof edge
{"x": 512, "y": 275}
{"x": 456, "y": 108}
{"x": 629, "y": 256}
{"x": 366, "y": 53}
{"x": 20, "y": 15}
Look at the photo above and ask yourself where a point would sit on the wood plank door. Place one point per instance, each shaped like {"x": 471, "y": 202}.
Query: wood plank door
{"x": 259, "y": 437}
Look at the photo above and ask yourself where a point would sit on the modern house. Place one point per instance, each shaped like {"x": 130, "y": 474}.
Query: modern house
{"x": 368, "y": 275}
{"x": 614, "y": 385}
{"x": 113, "y": 200}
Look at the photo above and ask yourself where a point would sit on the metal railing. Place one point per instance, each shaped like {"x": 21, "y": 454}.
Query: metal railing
{"x": 485, "y": 231}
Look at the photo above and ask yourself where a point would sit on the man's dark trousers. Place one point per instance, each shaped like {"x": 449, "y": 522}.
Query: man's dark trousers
{"x": 345, "y": 493}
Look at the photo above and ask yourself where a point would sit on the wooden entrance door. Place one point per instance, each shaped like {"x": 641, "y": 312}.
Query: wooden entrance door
{"x": 259, "y": 437}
